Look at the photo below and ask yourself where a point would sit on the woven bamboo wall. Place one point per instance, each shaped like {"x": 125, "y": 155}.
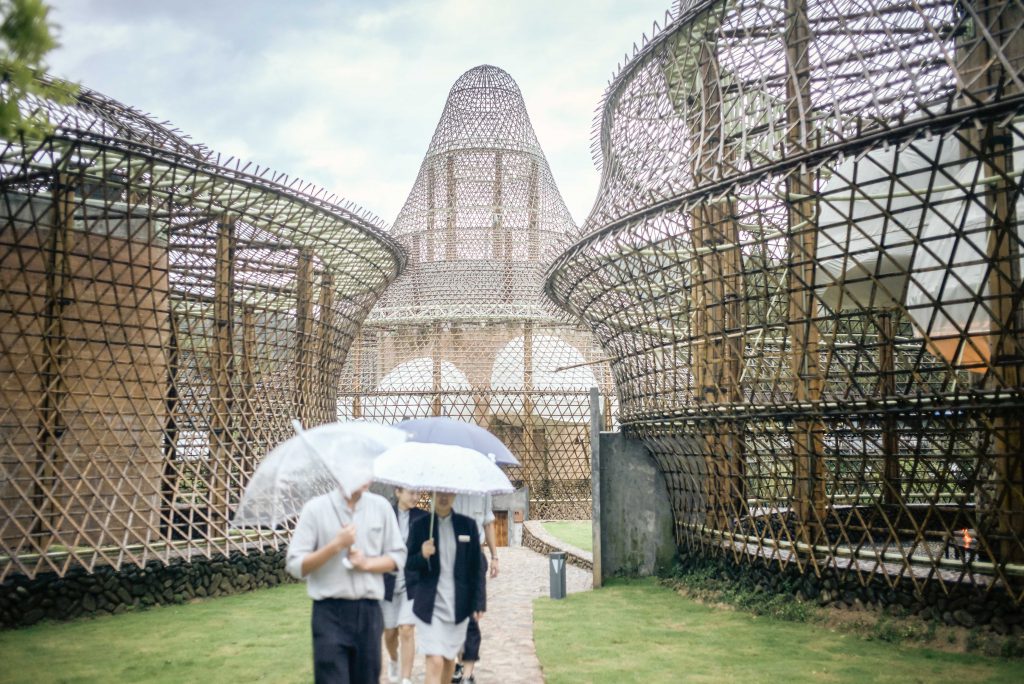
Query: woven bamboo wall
{"x": 449, "y": 337}
{"x": 805, "y": 261}
{"x": 163, "y": 318}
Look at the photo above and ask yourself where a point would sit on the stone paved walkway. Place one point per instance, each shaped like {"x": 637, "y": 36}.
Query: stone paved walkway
{"x": 507, "y": 655}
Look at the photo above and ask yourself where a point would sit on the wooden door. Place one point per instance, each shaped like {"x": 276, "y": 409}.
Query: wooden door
{"x": 501, "y": 528}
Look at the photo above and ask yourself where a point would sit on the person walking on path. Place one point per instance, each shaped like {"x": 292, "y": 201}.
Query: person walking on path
{"x": 446, "y": 577}
{"x": 481, "y": 510}
{"x": 399, "y": 634}
{"x": 342, "y": 545}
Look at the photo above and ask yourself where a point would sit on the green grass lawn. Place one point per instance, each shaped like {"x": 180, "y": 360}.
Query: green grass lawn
{"x": 575, "y": 532}
{"x": 259, "y": 636}
{"x": 639, "y": 632}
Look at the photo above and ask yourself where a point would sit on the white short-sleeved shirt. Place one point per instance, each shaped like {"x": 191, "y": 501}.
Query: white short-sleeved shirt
{"x": 377, "y": 534}
{"x": 478, "y": 507}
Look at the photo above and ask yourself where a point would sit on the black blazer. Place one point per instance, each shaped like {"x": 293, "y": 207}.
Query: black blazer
{"x": 390, "y": 578}
{"x": 470, "y": 570}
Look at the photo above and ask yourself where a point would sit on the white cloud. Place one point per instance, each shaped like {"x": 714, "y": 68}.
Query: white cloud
{"x": 347, "y": 94}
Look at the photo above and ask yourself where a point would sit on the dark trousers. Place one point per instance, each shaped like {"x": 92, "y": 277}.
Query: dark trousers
{"x": 346, "y": 641}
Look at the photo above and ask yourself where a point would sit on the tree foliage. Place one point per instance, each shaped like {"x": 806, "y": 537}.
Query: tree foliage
{"x": 26, "y": 36}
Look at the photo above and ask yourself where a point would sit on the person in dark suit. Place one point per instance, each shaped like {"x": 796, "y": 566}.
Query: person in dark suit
{"x": 399, "y": 624}
{"x": 446, "y": 577}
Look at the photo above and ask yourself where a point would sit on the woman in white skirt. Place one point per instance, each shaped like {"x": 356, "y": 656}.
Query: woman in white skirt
{"x": 446, "y": 577}
{"x": 399, "y": 638}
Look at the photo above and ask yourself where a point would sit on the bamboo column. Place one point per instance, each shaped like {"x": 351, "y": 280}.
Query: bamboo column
{"x": 533, "y": 214}
{"x": 529, "y": 438}
{"x": 718, "y": 312}
{"x": 169, "y": 483}
{"x": 997, "y": 40}
{"x": 804, "y": 336}
{"x": 222, "y": 370}
{"x": 451, "y": 250}
{"x": 892, "y": 485}
{"x": 327, "y": 361}
{"x": 53, "y": 423}
{"x": 431, "y": 213}
{"x": 358, "y": 349}
{"x": 497, "y": 224}
{"x": 249, "y": 418}
{"x": 304, "y": 389}
{"x": 436, "y": 408}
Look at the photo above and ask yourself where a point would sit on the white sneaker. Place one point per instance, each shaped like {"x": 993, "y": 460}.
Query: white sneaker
{"x": 406, "y": 681}
{"x": 393, "y": 671}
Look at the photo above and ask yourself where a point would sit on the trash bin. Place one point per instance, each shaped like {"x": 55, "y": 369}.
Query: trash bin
{"x": 556, "y": 564}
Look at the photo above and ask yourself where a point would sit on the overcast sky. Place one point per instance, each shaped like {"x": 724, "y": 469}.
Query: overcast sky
{"x": 346, "y": 93}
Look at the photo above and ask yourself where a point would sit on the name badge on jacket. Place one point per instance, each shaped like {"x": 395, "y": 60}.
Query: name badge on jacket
{"x": 463, "y": 537}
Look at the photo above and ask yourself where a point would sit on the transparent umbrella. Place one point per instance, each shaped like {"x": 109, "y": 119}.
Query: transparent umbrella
{"x": 311, "y": 463}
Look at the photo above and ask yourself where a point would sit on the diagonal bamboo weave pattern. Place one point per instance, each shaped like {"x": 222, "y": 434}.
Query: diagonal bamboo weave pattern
{"x": 163, "y": 315}
{"x": 466, "y": 331}
{"x": 805, "y": 262}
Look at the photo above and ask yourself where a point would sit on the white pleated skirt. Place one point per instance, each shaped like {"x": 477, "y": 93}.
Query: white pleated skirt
{"x": 440, "y": 638}
{"x": 397, "y": 611}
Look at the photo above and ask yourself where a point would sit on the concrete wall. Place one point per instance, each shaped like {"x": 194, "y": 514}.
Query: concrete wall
{"x": 635, "y": 515}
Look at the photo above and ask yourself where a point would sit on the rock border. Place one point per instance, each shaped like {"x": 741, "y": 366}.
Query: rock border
{"x": 536, "y": 538}
{"x": 106, "y": 591}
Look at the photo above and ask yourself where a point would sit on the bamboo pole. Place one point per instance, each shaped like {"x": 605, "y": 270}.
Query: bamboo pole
{"x": 996, "y": 40}
{"x": 528, "y": 421}
{"x": 49, "y": 449}
{"x": 717, "y": 307}
{"x": 431, "y": 226}
{"x": 892, "y": 487}
{"x": 804, "y": 336}
{"x": 436, "y": 408}
{"x": 249, "y": 418}
{"x": 327, "y": 362}
{"x": 451, "y": 252}
{"x": 304, "y": 391}
{"x": 222, "y": 364}
{"x": 533, "y": 215}
{"x": 169, "y": 482}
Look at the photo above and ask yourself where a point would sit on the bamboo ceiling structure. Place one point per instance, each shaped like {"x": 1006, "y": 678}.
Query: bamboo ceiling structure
{"x": 805, "y": 263}
{"x": 163, "y": 315}
{"x": 466, "y": 331}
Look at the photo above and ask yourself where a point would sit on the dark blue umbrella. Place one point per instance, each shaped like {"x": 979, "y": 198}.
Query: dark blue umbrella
{"x": 444, "y": 430}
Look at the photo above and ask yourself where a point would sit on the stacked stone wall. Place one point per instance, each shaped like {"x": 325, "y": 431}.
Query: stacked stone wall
{"x": 25, "y": 601}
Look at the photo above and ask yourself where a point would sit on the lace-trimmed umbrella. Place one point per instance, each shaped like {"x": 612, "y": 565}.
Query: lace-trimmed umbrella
{"x": 313, "y": 462}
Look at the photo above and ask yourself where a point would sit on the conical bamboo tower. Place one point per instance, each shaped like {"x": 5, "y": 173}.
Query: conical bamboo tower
{"x": 466, "y": 331}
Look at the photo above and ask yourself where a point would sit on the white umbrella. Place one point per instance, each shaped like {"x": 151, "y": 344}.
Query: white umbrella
{"x": 311, "y": 463}
{"x": 440, "y": 468}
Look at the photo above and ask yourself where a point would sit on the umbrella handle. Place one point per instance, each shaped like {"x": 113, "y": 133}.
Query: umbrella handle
{"x": 433, "y": 497}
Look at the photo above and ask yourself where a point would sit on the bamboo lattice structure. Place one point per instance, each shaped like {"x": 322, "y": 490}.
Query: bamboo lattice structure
{"x": 163, "y": 315}
{"x": 466, "y": 330}
{"x": 805, "y": 263}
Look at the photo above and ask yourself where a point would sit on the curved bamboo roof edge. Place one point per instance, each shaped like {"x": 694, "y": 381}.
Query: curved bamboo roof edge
{"x": 167, "y": 312}
{"x": 804, "y": 261}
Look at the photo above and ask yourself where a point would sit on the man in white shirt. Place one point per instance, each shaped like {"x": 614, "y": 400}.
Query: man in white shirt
{"x": 481, "y": 509}
{"x": 341, "y": 547}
